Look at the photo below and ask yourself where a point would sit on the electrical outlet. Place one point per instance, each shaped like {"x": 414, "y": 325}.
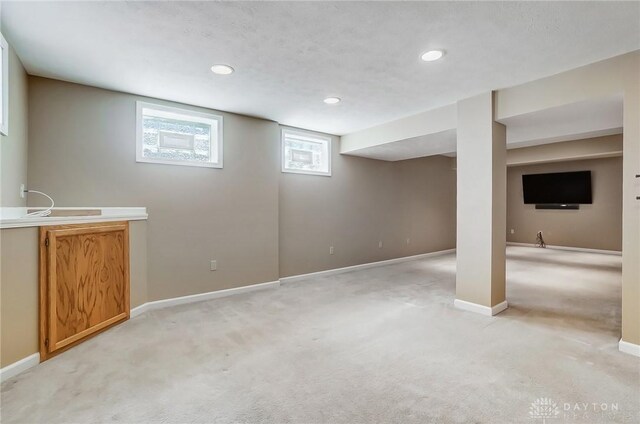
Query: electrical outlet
{"x": 214, "y": 265}
{"x": 513, "y": 231}
{"x": 380, "y": 244}
{"x": 331, "y": 250}
{"x": 408, "y": 241}
{"x": 22, "y": 193}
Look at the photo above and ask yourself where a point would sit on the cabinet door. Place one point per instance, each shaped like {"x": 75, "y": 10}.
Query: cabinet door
{"x": 84, "y": 282}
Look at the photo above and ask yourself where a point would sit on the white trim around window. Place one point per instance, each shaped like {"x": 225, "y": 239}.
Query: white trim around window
{"x": 4, "y": 113}
{"x": 216, "y": 152}
{"x": 289, "y": 134}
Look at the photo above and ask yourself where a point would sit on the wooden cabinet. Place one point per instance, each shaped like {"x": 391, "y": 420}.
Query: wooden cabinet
{"x": 84, "y": 282}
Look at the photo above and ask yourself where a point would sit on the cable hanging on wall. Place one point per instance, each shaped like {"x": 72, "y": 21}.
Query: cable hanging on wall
{"x": 540, "y": 240}
{"x": 44, "y": 212}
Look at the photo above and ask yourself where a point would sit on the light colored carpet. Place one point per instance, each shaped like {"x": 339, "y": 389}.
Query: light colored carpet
{"x": 383, "y": 345}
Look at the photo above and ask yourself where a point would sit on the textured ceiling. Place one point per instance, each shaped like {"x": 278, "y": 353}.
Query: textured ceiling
{"x": 288, "y": 56}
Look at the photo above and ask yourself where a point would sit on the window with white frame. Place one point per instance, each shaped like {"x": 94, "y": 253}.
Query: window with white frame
{"x": 305, "y": 152}
{"x": 4, "y": 87}
{"x": 175, "y": 136}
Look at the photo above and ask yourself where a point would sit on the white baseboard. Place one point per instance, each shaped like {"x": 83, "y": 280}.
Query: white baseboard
{"x": 575, "y": 249}
{"x": 200, "y": 297}
{"x": 138, "y": 310}
{"x": 17, "y": 367}
{"x": 630, "y": 348}
{"x": 295, "y": 278}
{"x": 480, "y": 309}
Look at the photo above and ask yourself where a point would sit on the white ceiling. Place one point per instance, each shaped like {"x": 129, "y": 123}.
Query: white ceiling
{"x": 289, "y": 55}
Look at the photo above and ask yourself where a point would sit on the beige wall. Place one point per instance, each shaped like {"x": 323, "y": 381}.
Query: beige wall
{"x": 13, "y": 148}
{"x": 232, "y": 215}
{"x": 19, "y": 287}
{"x": 18, "y": 266}
{"x": 82, "y": 152}
{"x": 595, "y": 226}
{"x": 138, "y": 263}
{"x": 18, "y": 294}
{"x": 365, "y": 201}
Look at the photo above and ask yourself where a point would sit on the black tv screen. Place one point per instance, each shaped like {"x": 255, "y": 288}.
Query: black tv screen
{"x": 557, "y": 188}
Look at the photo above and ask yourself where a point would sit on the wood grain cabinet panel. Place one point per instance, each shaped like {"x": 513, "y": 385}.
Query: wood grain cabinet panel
{"x": 84, "y": 282}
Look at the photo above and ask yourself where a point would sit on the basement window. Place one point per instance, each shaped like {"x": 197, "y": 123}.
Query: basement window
{"x": 173, "y": 136}
{"x": 305, "y": 152}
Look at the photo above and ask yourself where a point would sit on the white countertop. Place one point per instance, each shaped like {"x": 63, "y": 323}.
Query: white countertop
{"x": 14, "y": 217}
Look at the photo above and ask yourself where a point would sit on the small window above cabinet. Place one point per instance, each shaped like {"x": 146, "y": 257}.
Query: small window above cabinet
{"x": 173, "y": 136}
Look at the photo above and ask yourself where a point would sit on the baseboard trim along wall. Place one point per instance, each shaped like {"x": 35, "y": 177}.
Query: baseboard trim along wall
{"x": 335, "y": 271}
{"x": 17, "y": 367}
{"x": 480, "y": 309}
{"x": 575, "y": 249}
{"x": 165, "y": 303}
{"x": 629, "y": 348}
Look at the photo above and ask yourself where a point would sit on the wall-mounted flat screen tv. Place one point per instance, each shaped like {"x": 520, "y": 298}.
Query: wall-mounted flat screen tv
{"x": 557, "y": 188}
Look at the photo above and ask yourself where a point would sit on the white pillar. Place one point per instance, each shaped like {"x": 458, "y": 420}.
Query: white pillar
{"x": 482, "y": 210}
{"x": 630, "y": 341}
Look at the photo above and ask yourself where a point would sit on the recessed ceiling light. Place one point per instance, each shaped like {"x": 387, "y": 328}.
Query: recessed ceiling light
{"x": 332, "y": 100}
{"x": 222, "y": 69}
{"x": 432, "y": 55}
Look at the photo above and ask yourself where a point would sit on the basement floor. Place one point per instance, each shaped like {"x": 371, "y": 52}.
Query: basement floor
{"x": 378, "y": 345}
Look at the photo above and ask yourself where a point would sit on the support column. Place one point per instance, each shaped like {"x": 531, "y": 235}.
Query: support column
{"x": 630, "y": 341}
{"x": 482, "y": 207}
